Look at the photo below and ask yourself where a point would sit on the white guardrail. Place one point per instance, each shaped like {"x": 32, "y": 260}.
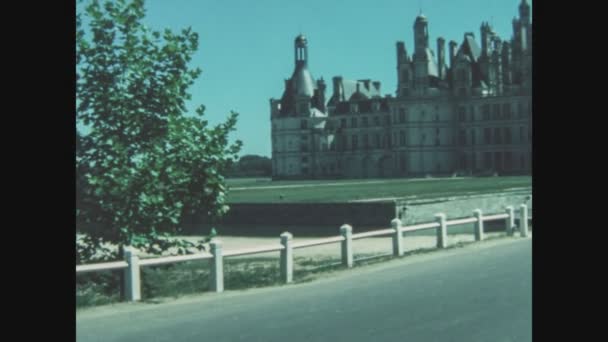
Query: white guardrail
{"x": 132, "y": 264}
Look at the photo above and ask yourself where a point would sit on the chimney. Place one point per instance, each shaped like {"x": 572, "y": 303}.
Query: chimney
{"x": 453, "y": 46}
{"x": 321, "y": 95}
{"x": 506, "y": 63}
{"x": 401, "y": 53}
{"x": 441, "y": 57}
{"x": 337, "y": 82}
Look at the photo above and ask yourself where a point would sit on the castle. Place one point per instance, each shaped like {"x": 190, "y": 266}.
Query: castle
{"x": 473, "y": 116}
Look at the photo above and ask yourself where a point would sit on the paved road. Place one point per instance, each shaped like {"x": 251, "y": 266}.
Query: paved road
{"x": 482, "y": 292}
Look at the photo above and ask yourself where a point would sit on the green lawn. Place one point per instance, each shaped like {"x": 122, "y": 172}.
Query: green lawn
{"x": 266, "y": 191}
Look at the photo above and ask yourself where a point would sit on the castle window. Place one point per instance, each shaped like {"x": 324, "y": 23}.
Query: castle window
{"x": 365, "y": 141}
{"x": 353, "y": 122}
{"x": 487, "y": 136}
{"x": 508, "y": 160}
{"x": 496, "y": 111}
{"x": 487, "y": 160}
{"x": 304, "y": 159}
{"x": 462, "y": 112}
{"x": 404, "y": 75}
{"x": 355, "y": 142}
{"x": 507, "y": 135}
{"x": 520, "y": 110}
{"x": 486, "y": 112}
{"x": 472, "y": 137}
{"x": 377, "y": 140}
{"x": 506, "y": 109}
{"x": 343, "y": 123}
{"x": 401, "y": 115}
{"x": 472, "y": 109}
{"x": 402, "y": 138}
{"x": 463, "y": 137}
{"x": 354, "y": 108}
{"x": 304, "y": 124}
{"x": 365, "y": 122}
{"x": 497, "y": 136}
{"x": 376, "y": 121}
{"x": 387, "y": 120}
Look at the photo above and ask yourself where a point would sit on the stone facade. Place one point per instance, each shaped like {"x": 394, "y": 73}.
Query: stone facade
{"x": 473, "y": 116}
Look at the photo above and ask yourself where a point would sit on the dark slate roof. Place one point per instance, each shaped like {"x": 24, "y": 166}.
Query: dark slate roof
{"x": 470, "y": 48}
{"x": 432, "y": 66}
{"x": 349, "y": 91}
{"x": 303, "y": 82}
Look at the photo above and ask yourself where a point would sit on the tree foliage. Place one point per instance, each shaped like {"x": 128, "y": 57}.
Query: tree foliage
{"x": 251, "y": 166}
{"x": 142, "y": 163}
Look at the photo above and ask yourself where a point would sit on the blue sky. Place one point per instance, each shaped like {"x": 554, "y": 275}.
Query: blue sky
{"x": 246, "y": 47}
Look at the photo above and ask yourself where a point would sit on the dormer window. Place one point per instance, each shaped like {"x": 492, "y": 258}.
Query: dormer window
{"x": 376, "y": 106}
{"x": 354, "y": 108}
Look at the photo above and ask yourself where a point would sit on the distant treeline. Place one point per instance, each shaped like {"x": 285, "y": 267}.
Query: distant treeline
{"x": 251, "y": 166}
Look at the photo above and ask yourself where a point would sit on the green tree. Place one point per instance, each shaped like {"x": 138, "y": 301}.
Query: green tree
{"x": 142, "y": 164}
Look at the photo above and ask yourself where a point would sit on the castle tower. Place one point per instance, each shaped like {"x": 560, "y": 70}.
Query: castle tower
{"x": 301, "y": 50}
{"x": 524, "y": 13}
{"x": 485, "y": 39}
{"x": 421, "y": 53}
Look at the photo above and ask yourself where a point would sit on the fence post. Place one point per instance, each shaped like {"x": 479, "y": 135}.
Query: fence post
{"x": 442, "y": 231}
{"x": 478, "y": 225}
{"x": 523, "y": 220}
{"x": 132, "y": 275}
{"x": 510, "y": 221}
{"x": 217, "y": 267}
{"x": 286, "y": 258}
{"x": 397, "y": 238}
{"x": 347, "y": 245}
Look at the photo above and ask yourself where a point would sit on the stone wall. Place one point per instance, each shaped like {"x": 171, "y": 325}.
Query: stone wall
{"x": 416, "y": 211}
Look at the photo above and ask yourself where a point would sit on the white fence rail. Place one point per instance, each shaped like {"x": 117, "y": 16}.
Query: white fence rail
{"x": 132, "y": 265}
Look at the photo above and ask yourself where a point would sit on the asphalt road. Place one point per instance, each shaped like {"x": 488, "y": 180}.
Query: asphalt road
{"x": 482, "y": 292}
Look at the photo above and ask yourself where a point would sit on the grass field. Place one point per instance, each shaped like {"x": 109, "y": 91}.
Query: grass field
{"x": 325, "y": 191}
